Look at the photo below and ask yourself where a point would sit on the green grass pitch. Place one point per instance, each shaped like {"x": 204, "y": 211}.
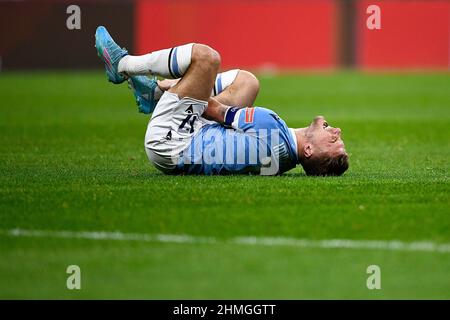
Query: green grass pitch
{"x": 72, "y": 158}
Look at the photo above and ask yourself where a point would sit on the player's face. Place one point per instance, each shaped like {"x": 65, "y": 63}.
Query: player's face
{"x": 325, "y": 138}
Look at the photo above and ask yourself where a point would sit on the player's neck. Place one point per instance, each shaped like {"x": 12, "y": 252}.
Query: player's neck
{"x": 300, "y": 134}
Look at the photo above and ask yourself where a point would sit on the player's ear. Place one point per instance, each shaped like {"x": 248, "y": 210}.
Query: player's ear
{"x": 307, "y": 150}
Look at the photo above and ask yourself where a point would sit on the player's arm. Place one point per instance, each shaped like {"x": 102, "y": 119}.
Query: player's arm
{"x": 215, "y": 111}
{"x": 219, "y": 112}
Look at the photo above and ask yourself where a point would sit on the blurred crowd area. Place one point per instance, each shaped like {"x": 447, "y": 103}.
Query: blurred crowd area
{"x": 253, "y": 34}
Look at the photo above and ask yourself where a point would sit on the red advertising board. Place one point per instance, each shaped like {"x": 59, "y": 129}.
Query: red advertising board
{"x": 413, "y": 34}
{"x": 252, "y": 34}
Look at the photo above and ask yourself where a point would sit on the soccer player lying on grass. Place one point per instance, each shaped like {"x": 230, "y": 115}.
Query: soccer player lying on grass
{"x": 203, "y": 123}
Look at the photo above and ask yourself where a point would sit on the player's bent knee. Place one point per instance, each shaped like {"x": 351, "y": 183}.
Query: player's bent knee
{"x": 215, "y": 58}
{"x": 252, "y": 81}
{"x": 248, "y": 81}
{"x": 206, "y": 55}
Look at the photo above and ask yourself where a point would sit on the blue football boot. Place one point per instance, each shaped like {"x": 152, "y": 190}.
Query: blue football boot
{"x": 110, "y": 53}
{"x": 144, "y": 91}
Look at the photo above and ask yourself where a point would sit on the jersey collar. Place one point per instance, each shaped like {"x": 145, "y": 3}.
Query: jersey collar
{"x": 294, "y": 137}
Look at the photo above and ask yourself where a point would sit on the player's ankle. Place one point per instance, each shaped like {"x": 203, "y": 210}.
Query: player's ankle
{"x": 122, "y": 65}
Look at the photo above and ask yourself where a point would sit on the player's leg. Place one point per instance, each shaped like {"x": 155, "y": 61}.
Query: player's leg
{"x": 168, "y": 63}
{"x": 119, "y": 65}
{"x": 234, "y": 87}
{"x": 240, "y": 92}
{"x": 195, "y": 64}
{"x": 199, "y": 79}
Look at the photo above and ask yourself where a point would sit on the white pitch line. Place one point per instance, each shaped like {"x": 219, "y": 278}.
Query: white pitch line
{"x": 395, "y": 245}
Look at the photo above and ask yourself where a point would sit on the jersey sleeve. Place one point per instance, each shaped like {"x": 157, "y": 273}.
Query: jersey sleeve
{"x": 256, "y": 118}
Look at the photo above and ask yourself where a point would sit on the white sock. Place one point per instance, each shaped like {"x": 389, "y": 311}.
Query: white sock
{"x": 223, "y": 81}
{"x": 169, "y": 63}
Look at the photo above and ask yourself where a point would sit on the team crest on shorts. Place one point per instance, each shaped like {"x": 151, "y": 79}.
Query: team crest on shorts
{"x": 249, "y": 114}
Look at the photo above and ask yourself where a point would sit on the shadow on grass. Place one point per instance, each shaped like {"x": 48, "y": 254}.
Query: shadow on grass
{"x": 161, "y": 176}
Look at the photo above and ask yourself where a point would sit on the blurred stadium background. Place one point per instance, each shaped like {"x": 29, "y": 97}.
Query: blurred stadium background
{"x": 72, "y": 159}
{"x": 266, "y": 34}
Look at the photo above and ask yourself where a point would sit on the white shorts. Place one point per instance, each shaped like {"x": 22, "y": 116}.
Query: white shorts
{"x": 173, "y": 124}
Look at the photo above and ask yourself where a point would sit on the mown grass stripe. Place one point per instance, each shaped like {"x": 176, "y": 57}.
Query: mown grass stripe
{"x": 394, "y": 245}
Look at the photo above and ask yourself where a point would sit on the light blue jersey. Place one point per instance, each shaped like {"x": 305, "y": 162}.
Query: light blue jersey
{"x": 259, "y": 142}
